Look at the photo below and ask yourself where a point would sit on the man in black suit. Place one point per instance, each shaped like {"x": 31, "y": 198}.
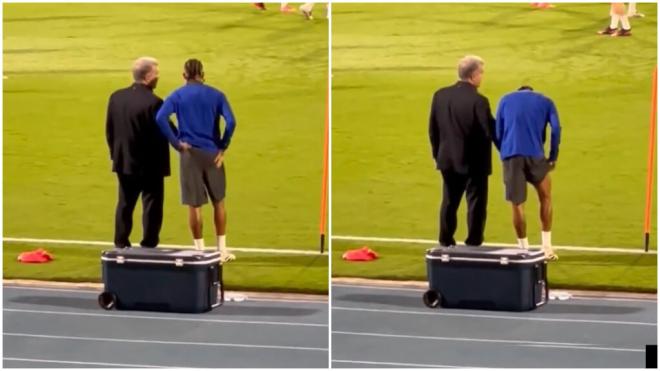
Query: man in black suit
{"x": 139, "y": 153}
{"x": 460, "y": 130}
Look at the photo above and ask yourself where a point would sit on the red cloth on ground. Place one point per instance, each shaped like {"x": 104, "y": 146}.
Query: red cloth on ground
{"x": 361, "y": 254}
{"x": 36, "y": 256}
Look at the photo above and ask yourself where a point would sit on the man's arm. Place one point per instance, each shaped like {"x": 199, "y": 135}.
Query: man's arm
{"x": 485, "y": 117}
{"x": 555, "y": 138}
{"x": 163, "y": 121}
{"x": 434, "y": 132}
{"x": 499, "y": 125}
{"x": 224, "y": 110}
{"x": 110, "y": 128}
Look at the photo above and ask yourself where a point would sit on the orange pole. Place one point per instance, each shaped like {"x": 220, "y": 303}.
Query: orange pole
{"x": 649, "y": 164}
{"x": 324, "y": 185}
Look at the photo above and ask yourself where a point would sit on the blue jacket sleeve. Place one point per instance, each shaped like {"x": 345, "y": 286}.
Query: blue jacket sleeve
{"x": 555, "y": 138}
{"x": 499, "y": 125}
{"x": 224, "y": 110}
{"x": 162, "y": 119}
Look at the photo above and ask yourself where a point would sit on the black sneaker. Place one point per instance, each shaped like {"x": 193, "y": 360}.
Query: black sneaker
{"x": 607, "y": 31}
{"x": 622, "y": 32}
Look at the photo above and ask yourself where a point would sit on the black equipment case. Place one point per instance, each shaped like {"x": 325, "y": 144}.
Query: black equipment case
{"x": 167, "y": 280}
{"x": 485, "y": 277}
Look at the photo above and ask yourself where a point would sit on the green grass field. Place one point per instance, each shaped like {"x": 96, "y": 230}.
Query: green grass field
{"x": 61, "y": 63}
{"x": 387, "y": 61}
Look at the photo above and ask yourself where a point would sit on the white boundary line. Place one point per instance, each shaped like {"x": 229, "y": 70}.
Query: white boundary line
{"x": 522, "y": 343}
{"x": 404, "y": 365}
{"x": 163, "y": 342}
{"x": 82, "y": 363}
{"x": 421, "y": 290}
{"x": 495, "y": 244}
{"x": 227, "y": 294}
{"x": 129, "y": 316}
{"x": 516, "y": 318}
{"x": 469, "y": 340}
{"x": 169, "y": 246}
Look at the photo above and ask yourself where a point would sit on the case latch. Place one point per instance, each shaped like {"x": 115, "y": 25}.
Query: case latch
{"x": 504, "y": 260}
{"x": 178, "y": 262}
{"x": 444, "y": 258}
{"x": 120, "y": 260}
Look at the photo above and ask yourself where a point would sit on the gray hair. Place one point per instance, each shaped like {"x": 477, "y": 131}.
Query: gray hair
{"x": 142, "y": 66}
{"x": 468, "y": 65}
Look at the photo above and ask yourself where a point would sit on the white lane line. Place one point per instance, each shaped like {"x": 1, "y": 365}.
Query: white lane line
{"x": 516, "y": 318}
{"x": 81, "y": 363}
{"x": 169, "y": 246}
{"x": 470, "y": 340}
{"x": 395, "y": 364}
{"x": 181, "y": 319}
{"x": 156, "y": 341}
{"x": 419, "y": 290}
{"x": 587, "y": 348}
{"x": 227, "y": 294}
{"x": 608, "y": 250}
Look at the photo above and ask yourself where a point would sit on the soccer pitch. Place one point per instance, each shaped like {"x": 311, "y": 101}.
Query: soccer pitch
{"x": 388, "y": 60}
{"x": 61, "y": 63}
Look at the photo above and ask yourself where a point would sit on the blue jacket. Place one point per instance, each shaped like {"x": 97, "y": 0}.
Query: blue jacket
{"x": 520, "y": 125}
{"x": 198, "y": 109}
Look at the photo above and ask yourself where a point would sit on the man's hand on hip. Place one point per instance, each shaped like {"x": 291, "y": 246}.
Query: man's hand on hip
{"x": 184, "y": 146}
{"x": 219, "y": 158}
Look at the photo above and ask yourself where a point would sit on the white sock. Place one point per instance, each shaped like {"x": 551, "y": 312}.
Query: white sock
{"x": 614, "y": 23}
{"x": 632, "y": 9}
{"x": 307, "y": 7}
{"x": 199, "y": 244}
{"x": 222, "y": 243}
{"x": 546, "y": 239}
{"x": 523, "y": 243}
{"x": 624, "y": 22}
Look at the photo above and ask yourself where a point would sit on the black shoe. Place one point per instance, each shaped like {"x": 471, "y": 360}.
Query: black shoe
{"x": 607, "y": 31}
{"x": 622, "y": 32}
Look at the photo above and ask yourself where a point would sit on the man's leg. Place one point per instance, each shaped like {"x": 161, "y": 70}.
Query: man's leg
{"x": 515, "y": 184}
{"x": 129, "y": 191}
{"x": 452, "y": 191}
{"x": 544, "y": 191}
{"x": 477, "y": 198}
{"x": 306, "y": 10}
{"x": 193, "y": 193}
{"x": 216, "y": 184}
{"x": 152, "y": 210}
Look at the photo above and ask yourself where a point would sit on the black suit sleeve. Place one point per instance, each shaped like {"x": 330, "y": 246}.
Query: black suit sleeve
{"x": 109, "y": 128}
{"x": 485, "y": 117}
{"x": 434, "y": 132}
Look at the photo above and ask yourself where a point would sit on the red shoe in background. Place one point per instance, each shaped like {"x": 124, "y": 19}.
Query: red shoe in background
{"x": 36, "y": 256}
{"x": 361, "y": 255}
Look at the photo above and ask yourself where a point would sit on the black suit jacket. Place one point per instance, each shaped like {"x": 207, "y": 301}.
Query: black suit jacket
{"x": 460, "y": 130}
{"x": 136, "y": 144}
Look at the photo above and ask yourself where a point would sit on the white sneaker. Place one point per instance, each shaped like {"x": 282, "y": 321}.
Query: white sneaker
{"x": 226, "y": 256}
{"x": 550, "y": 254}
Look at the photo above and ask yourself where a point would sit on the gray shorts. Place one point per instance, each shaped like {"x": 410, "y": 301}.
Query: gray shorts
{"x": 518, "y": 171}
{"x": 199, "y": 177}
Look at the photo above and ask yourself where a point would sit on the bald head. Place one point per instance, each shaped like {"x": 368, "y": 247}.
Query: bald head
{"x": 145, "y": 71}
{"x": 471, "y": 69}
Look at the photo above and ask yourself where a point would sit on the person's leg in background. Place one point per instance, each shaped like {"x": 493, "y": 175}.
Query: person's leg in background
{"x": 129, "y": 191}
{"x": 193, "y": 193}
{"x": 477, "y": 199}
{"x": 306, "y": 10}
{"x": 453, "y": 188}
{"x": 153, "y": 195}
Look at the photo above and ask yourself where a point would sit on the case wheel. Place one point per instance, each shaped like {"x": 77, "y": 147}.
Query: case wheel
{"x": 431, "y": 299}
{"x": 107, "y": 300}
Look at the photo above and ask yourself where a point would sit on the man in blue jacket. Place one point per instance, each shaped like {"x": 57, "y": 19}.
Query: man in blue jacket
{"x": 521, "y": 121}
{"x": 198, "y": 108}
